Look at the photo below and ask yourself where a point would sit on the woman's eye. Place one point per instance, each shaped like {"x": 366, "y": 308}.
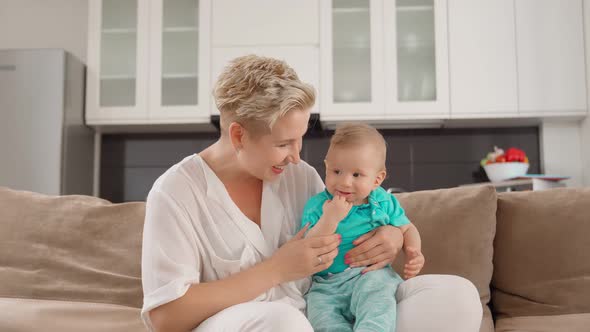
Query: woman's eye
{"x": 283, "y": 145}
{"x": 356, "y": 175}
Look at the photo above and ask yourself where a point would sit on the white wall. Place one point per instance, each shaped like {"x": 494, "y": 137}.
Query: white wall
{"x": 561, "y": 150}
{"x": 566, "y": 144}
{"x": 45, "y": 24}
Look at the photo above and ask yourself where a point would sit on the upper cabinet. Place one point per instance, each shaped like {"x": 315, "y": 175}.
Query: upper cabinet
{"x": 416, "y": 59}
{"x": 482, "y": 54}
{"x": 265, "y": 23}
{"x": 351, "y": 51}
{"x": 550, "y": 57}
{"x": 384, "y": 59}
{"x": 282, "y": 29}
{"x": 117, "y": 73}
{"x": 516, "y": 58}
{"x": 179, "y": 61}
{"x": 148, "y": 62}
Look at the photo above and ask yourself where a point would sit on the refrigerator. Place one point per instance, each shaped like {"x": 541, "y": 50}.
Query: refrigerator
{"x": 44, "y": 145}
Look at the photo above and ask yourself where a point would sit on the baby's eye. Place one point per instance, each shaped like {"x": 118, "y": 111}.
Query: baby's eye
{"x": 283, "y": 145}
{"x": 336, "y": 171}
{"x": 356, "y": 175}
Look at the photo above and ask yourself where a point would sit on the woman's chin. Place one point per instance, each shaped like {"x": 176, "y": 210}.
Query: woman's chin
{"x": 271, "y": 176}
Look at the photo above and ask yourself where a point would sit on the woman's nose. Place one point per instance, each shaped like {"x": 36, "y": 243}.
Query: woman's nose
{"x": 294, "y": 155}
{"x": 295, "y": 158}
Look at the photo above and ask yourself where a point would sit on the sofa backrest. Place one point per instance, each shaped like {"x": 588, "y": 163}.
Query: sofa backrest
{"x": 457, "y": 228}
{"x": 541, "y": 259}
{"x": 69, "y": 252}
{"x": 78, "y": 257}
{"x": 80, "y": 249}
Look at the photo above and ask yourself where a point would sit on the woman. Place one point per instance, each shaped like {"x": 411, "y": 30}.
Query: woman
{"x": 220, "y": 249}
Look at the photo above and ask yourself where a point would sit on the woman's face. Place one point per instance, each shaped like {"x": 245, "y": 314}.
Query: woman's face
{"x": 266, "y": 157}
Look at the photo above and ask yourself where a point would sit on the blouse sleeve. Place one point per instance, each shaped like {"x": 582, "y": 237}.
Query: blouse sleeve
{"x": 313, "y": 207}
{"x": 315, "y": 183}
{"x": 171, "y": 261}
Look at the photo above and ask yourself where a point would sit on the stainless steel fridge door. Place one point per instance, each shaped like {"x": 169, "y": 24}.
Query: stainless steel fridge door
{"x": 31, "y": 119}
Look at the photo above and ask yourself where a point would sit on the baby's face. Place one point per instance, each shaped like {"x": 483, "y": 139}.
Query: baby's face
{"x": 353, "y": 172}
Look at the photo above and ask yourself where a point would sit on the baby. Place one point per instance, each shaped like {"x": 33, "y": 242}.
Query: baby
{"x": 345, "y": 298}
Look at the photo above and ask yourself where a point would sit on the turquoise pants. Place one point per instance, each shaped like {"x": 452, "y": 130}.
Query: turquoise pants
{"x": 349, "y": 301}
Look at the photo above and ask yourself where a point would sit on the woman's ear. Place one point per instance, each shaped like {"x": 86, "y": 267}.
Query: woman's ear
{"x": 379, "y": 178}
{"x": 236, "y": 135}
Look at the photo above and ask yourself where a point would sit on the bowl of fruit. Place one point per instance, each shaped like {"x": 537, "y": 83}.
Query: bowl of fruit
{"x": 501, "y": 166}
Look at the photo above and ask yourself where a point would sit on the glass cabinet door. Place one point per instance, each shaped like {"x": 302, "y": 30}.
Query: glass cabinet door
{"x": 117, "y": 61}
{"x": 179, "y": 57}
{"x": 118, "y": 53}
{"x": 180, "y": 52}
{"x": 416, "y": 57}
{"x": 351, "y": 56}
{"x": 416, "y": 65}
{"x": 351, "y": 51}
{"x": 148, "y": 61}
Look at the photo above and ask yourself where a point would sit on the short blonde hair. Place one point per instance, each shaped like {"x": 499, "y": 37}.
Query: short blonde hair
{"x": 360, "y": 134}
{"x": 256, "y": 91}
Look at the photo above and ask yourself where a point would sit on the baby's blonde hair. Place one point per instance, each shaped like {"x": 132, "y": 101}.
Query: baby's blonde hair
{"x": 256, "y": 91}
{"x": 360, "y": 134}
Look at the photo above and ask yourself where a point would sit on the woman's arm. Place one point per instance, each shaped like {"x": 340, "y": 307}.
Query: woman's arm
{"x": 294, "y": 260}
{"x": 203, "y": 300}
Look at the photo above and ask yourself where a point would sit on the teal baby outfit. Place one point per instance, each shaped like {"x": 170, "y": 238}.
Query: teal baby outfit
{"x": 340, "y": 297}
{"x": 351, "y": 301}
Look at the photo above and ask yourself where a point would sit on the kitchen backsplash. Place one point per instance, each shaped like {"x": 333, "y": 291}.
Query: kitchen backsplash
{"x": 417, "y": 159}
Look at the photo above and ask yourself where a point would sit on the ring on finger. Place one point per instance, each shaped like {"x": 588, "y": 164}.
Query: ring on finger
{"x": 320, "y": 261}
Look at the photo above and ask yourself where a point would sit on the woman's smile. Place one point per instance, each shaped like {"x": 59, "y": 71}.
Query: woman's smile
{"x": 278, "y": 169}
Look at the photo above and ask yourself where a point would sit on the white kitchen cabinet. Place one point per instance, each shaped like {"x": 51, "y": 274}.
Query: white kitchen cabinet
{"x": 416, "y": 59}
{"x": 179, "y": 61}
{"x": 148, "y": 62}
{"x": 384, "y": 60}
{"x": 351, "y": 46}
{"x": 482, "y": 58}
{"x": 303, "y": 59}
{"x": 265, "y": 22}
{"x": 550, "y": 57}
{"x": 117, "y": 72}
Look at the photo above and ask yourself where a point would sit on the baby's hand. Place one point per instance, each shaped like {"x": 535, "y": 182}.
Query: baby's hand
{"x": 336, "y": 209}
{"x": 414, "y": 262}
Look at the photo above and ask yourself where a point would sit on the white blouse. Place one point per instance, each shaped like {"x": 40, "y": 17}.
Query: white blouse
{"x": 194, "y": 232}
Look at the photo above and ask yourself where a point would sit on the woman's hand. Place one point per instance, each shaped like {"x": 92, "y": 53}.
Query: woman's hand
{"x": 376, "y": 249}
{"x": 301, "y": 257}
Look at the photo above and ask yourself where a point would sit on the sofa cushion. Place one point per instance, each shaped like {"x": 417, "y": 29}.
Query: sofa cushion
{"x": 541, "y": 264}
{"x": 71, "y": 248}
{"x": 457, "y": 227}
{"x": 31, "y": 315}
{"x": 569, "y": 323}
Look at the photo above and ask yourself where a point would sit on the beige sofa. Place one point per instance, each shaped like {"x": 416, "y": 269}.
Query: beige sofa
{"x": 72, "y": 263}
